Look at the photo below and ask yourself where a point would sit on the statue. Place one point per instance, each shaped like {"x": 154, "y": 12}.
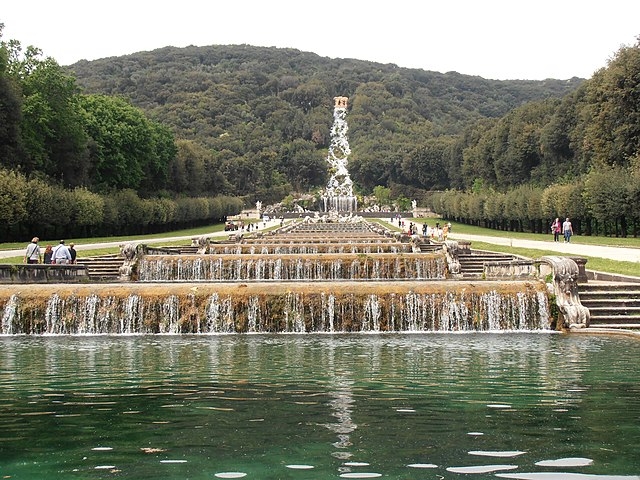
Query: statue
{"x": 565, "y": 286}
{"x": 131, "y": 253}
{"x": 202, "y": 243}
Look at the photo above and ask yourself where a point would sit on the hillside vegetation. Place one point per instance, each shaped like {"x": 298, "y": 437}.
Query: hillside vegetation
{"x": 178, "y": 137}
{"x": 265, "y": 113}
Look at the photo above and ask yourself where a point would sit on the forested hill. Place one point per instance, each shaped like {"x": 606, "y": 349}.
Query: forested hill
{"x": 206, "y": 80}
{"x": 266, "y": 113}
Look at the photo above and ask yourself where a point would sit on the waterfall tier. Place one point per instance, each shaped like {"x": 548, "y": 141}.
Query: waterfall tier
{"x": 274, "y": 307}
{"x": 337, "y": 267}
{"x": 257, "y": 288}
{"x": 268, "y": 247}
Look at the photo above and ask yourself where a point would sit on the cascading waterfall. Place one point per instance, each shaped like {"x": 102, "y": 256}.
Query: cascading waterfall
{"x": 9, "y": 315}
{"x": 338, "y": 195}
{"x": 289, "y": 267}
{"x": 284, "y": 307}
{"x": 222, "y": 293}
{"x": 303, "y": 249}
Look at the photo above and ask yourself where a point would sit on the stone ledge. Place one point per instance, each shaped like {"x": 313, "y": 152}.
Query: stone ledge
{"x": 40, "y": 273}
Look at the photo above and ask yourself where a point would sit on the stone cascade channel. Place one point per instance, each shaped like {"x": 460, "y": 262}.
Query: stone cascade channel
{"x": 305, "y": 252}
{"x": 304, "y": 277}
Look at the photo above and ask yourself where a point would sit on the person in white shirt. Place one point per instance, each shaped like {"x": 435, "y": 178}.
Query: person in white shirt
{"x": 567, "y": 230}
{"x": 61, "y": 254}
{"x": 32, "y": 255}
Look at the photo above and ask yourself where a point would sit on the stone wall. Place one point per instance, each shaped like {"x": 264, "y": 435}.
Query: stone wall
{"x": 29, "y": 273}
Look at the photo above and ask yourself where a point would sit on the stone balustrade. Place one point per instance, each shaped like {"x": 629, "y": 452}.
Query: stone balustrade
{"x": 42, "y": 273}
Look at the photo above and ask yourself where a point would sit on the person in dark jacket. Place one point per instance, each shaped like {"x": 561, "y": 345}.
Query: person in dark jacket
{"x": 48, "y": 254}
{"x": 73, "y": 252}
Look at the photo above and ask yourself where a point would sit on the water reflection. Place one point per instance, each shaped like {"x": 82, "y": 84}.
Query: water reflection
{"x": 265, "y": 406}
{"x": 341, "y": 406}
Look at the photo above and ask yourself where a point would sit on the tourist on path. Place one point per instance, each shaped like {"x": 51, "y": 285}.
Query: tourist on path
{"x": 556, "y": 228}
{"x": 567, "y": 230}
{"x": 32, "y": 255}
{"x": 61, "y": 254}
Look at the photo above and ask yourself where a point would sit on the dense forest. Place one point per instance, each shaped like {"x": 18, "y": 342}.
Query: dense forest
{"x": 187, "y": 135}
{"x": 264, "y": 114}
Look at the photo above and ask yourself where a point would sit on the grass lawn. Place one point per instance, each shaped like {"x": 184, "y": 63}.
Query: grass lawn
{"x": 218, "y": 227}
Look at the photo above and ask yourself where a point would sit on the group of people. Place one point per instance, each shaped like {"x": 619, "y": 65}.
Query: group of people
{"x": 438, "y": 232}
{"x": 61, "y": 254}
{"x": 565, "y": 228}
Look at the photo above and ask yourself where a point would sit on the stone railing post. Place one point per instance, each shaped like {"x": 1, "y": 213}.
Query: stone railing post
{"x": 565, "y": 287}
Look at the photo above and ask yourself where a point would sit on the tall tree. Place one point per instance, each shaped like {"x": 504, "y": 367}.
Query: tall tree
{"x": 126, "y": 147}
{"x": 51, "y": 129}
{"x": 613, "y": 98}
{"x": 425, "y": 167}
{"x": 10, "y": 112}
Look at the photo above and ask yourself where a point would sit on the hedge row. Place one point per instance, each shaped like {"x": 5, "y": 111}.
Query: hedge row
{"x": 606, "y": 203}
{"x": 33, "y": 206}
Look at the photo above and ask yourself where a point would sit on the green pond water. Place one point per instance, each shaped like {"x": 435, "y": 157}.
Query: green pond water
{"x": 320, "y": 406}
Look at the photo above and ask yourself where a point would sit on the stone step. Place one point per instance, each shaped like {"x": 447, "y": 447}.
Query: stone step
{"x": 105, "y": 267}
{"x": 621, "y": 321}
{"x": 598, "y": 294}
{"x": 468, "y": 269}
{"x": 614, "y": 309}
{"x": 594, "y": 287}
{"x": 104, "y": 261}
{"x": 472, "y": 263}
{"x": 612, "y": 305}
{"x": 608, "y": 302}
{"x": 429, "y": 248}
{"x": 480, "y": 256}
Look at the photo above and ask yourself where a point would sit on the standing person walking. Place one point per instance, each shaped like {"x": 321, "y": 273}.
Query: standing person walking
{"x": 61, "y": 254}
{"x": 32, "y": 255}
{"x": 567, "y": 230}
{"x": 556, "y": 229}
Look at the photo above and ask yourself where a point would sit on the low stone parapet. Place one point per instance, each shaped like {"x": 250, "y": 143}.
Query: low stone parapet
{"x": 41, "y": 273}
{"x": 511, "y": 269}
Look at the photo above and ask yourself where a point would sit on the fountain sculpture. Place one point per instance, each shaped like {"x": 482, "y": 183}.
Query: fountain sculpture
{"x": 330, "y": 273}
{"x": 256, "y": 288}
{"x": 338, "y": 195}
